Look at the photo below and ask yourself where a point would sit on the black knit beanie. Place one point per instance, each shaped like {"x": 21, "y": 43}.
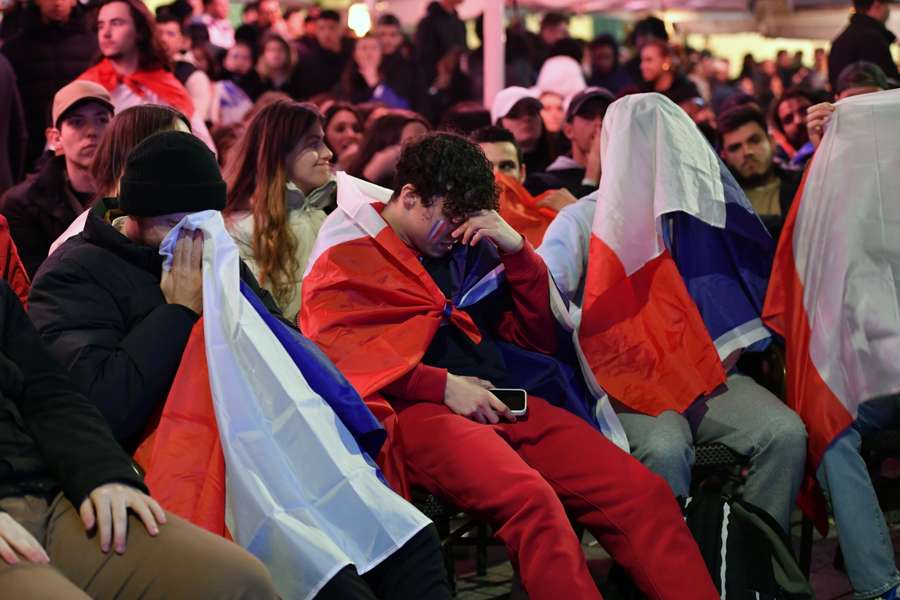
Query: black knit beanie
{"x": 171, "y": 172}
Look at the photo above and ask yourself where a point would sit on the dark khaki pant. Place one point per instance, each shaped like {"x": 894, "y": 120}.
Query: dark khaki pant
{"x": 183, "y": 561}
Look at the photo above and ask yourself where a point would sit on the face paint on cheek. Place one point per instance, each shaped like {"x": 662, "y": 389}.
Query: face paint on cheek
{"x": 438, "y": 230}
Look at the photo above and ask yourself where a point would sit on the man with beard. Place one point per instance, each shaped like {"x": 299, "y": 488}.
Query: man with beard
{"x": 747, "y": 149}
{"x": 788, "y": 115}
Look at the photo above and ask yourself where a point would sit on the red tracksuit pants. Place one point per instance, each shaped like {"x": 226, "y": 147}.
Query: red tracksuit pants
{"x": 523, "y": 477}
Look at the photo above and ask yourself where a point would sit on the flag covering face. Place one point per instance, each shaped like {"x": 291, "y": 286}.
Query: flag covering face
{"x": 836, "y": 280}
{"x": 301, "y": 491}
{"x": 677, "y": 261}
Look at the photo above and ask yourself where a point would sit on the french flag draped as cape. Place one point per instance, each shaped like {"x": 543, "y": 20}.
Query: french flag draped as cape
{"x": 159, "y": 81}
{"x": 678, "y": 262}
{"x": 834, "y": 293}
{"x": 369, "y": 303}
{"x": 261, "y": 431}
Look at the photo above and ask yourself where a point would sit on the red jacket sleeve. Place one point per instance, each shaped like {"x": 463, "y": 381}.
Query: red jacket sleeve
{"x": 11, "y": 268}
{"x": 423, "y": 384}
{"x": 530, "y": 322}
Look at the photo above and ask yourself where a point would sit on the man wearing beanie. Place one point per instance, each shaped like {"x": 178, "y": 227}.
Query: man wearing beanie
{"x": 101, "y": 302}
{"x": 120, "y": 325}
{"x": 66, "y": 491}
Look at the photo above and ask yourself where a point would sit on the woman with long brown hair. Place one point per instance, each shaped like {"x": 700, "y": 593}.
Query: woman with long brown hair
{"x": 280, "y": 188}
{"x": 127, "y": 129}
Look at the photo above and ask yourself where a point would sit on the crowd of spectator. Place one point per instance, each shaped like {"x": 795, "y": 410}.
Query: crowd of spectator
{"x": 190, "y": 57}
{"x": 119, "y": 122}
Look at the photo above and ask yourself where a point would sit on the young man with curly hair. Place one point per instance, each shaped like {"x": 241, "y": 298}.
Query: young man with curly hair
{"x": 426, "y": 300}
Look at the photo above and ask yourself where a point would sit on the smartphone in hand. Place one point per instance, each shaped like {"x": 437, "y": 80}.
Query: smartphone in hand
{"x": 514, "y": 398}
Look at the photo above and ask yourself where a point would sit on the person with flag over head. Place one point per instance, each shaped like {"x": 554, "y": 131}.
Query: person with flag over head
{"x": 168, "y": 333}
{"x": 670, "y": 274}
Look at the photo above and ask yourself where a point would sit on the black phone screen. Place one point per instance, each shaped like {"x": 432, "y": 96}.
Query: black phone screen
{"x": 514, "y": 399}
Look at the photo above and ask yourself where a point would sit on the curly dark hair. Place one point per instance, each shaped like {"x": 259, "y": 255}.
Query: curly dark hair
{"x": 446, "y": 165}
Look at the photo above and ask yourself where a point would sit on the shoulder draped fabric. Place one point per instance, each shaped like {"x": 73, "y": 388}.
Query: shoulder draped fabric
{"x": 834, "y": 293}
{"x": 161, "y": 82}
{"x": 677, "y": 262}
{"x": 262, "y": 437}
{"x": 371, "y": 306}
{"x": 520, "y": 209}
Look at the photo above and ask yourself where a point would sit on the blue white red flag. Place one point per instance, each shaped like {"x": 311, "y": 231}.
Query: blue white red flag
{"x": 834, "y": 293}
{"x": 301, "y": 490}
{"x": 725, "y": 269}
{"x": 677, "y": 261}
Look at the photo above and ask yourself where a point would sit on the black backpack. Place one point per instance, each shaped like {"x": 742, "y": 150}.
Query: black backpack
{"x": 747, "y": 553}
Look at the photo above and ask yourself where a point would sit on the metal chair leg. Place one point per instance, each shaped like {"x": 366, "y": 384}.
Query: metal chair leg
{"x": 481, "y": 550}
{"x": 806, "y": 544}
{"x": 443, "y": 528}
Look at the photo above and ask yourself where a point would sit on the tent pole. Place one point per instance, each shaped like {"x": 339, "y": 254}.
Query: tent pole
{"x": 494, "y": 50}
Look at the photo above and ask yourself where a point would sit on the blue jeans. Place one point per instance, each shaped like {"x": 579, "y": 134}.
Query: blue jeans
{"x": 862, "y": 530}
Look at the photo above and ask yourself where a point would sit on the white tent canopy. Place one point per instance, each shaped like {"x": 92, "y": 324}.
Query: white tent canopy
{"x": 808, "y": 19}
{"x": 585, "y": 6}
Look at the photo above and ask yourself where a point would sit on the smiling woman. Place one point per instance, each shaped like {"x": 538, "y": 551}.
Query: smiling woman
{"x": 279, "y": 192}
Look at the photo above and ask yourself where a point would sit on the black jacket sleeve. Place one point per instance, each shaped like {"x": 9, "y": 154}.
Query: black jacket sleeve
{"x": 125, "y": 368}
{"x": 30, "y": 239}
{"x": 71, "y": 434}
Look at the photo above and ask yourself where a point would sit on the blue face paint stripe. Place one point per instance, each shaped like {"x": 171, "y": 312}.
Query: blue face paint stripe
{"x": 437, "y": 230}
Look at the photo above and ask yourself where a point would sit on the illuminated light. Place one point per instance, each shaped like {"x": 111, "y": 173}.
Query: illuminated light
{"x": 359, "y": 20}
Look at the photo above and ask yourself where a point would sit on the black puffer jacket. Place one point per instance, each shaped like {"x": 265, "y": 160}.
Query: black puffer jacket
{"x": 98, "y": 306}
{"x": 864, "y": 39}
{"x": 45, "y": 57}
{"x": 97, "y": 303}
{"x": 50, "y": 435}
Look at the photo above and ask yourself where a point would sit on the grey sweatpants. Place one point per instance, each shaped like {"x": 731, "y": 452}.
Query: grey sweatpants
{"x": 747, "y": 418}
